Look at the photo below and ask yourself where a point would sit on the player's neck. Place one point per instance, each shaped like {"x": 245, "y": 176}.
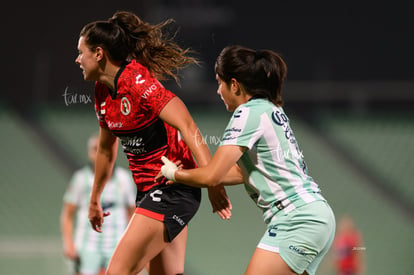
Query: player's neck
{"x": 109, "y": 75}
{"x": 108, "y": 72}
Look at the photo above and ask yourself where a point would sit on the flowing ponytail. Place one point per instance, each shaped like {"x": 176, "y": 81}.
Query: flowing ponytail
{"x": 125, "y": 36}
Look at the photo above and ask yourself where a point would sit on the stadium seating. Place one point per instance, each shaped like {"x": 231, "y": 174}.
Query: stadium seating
{"x": 33, "y": 183}
{"x": 382, "y": 143}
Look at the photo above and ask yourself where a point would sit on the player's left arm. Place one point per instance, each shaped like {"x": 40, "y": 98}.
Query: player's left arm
{"x": 176, "y": 114}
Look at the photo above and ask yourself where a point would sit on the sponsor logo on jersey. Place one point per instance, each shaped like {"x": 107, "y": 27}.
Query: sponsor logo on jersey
{"x": 102, "y": 108}
{"x": 133, "y": 141}
{"x": 149, "y": 91}
{"x": 281, "y": 119}
{"x": 232, "y": 133}
{"x": 112, "y": 124}
{"x": 133, "y": 144}
{"x": 125, "y": 106}
{"x": 237, "y": 115}
{"x": 149, "y": 138}
{"x": 138, "y": 79}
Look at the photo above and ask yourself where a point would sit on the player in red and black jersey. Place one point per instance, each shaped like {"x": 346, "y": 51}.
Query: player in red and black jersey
{"x": 126, "y": 57}
{"x": 132, "y": 113}
{"x": 348, "y": 248}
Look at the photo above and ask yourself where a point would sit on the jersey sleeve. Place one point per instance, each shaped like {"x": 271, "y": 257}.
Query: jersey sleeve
{"x": 100, "y": 92}
{"x": 243, "y": 129}
{"x": 156, "y": 97}
{"x": 74, "y": 189}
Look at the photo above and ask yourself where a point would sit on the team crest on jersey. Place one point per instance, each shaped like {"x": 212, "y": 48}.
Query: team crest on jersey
{"x": 125, "y": 106}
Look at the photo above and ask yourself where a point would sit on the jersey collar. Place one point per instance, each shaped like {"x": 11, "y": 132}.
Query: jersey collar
{"x": 118, "y": 74}
{"x": 257, "y": 97}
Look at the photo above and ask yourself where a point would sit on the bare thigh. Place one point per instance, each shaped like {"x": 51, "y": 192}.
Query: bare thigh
{"x": 265, "y": 262}
{"x": 143, "y": 240}
{"x": 170, "y": 261}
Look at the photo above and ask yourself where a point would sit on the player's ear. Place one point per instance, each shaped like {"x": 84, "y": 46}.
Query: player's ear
{"x": 235, "y": 86}
{"x": 99, "y": 53}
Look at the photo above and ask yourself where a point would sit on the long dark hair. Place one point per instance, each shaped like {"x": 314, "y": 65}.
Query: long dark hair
{"x": 125, "y": 36}
{"x": 261, "y": 72}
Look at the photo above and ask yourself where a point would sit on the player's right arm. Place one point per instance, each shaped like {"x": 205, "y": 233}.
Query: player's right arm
{"x": 221, "y": 169}
{"x": 67, "y": 228}
{"x": 105, "y": 159}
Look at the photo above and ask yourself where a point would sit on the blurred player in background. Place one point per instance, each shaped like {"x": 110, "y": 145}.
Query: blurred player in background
{"x": 127, "y": 57}
{"x": 89, "y": 250}
{"x": 259, "y": 138}
{"x": 348, "y": 249}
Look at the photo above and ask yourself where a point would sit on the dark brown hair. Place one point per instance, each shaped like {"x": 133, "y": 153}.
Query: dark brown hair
{"x": 125, "y": 36}
{"x": 261, "y": 72}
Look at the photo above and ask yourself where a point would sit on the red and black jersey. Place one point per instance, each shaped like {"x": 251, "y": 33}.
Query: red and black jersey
{"x": 131, "y": 113}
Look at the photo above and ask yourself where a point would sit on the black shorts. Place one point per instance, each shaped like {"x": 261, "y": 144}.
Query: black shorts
{"x": 175, "y": 205}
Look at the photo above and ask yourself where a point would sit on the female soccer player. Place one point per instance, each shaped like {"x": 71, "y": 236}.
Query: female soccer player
{"x": 259, "y": 138}
{"x": 126, "y": 57}
{"x": 90, "y": 252}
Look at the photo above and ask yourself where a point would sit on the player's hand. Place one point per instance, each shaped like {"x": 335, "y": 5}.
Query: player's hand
{"x": 168, "y": 169}
{"x": 159, "y": 177}
{"x": 96, "y": 216}
{"x": 220, "y": 201}
{"x": 70, "y": 251}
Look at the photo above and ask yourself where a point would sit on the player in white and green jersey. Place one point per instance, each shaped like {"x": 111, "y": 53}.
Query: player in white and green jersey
{"x": 273, "y": 165}
{"x": 90, "y": 250}
{"x": 259, "y": 138}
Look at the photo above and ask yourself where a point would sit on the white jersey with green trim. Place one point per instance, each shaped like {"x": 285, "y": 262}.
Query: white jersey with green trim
{"x": 118, "y": 195}
{"x": 273, "y": 167}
